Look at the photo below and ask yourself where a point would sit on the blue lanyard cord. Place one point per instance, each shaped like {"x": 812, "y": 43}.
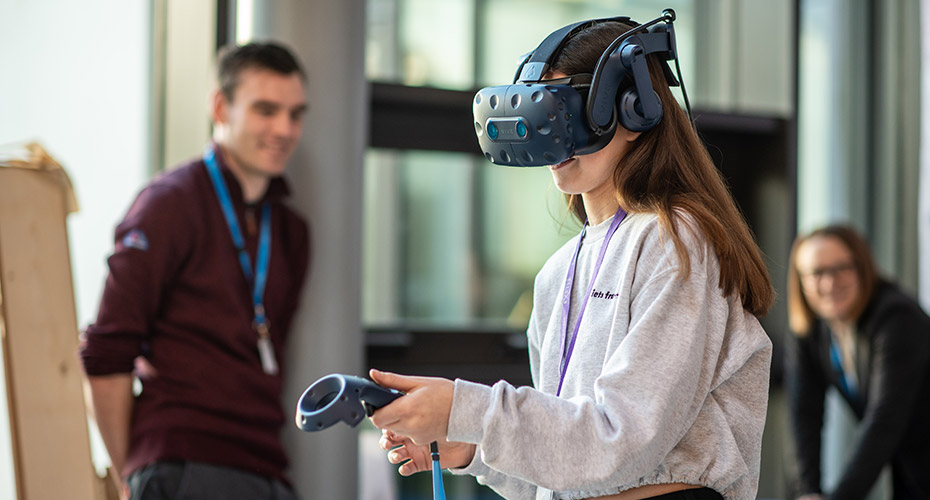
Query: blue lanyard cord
{"x": 261, "y": 265}
{"x": 847, "y": 383}
{"x": 439, "y": 492}
{"x": 260, "y": 274}
{"x": 566, "y": 356}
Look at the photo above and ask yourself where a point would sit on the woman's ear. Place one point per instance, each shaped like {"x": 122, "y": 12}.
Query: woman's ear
{"x": 629, "y": 136}
{"x": 626, "y": 135}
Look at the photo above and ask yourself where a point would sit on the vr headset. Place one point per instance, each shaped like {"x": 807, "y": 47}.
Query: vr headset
{"x": 537, "y": 122}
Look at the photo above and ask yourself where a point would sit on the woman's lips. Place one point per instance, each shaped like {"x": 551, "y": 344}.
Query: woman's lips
{"x": 560, "y": 165}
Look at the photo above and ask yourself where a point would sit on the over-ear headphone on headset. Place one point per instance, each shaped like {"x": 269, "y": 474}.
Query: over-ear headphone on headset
{"x": 536, "y": 122}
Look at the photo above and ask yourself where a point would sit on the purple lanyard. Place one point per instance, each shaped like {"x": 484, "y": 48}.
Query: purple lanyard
{"x": 567, "y": 292}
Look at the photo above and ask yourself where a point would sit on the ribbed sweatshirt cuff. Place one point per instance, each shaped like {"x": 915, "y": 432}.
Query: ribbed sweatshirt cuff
{"x": 470, "y": 402}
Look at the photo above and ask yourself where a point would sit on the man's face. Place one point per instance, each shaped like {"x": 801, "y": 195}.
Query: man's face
{"x": 260, "y": 127}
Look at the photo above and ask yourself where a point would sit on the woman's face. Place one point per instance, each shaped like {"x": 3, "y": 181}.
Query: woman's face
{"x": 592, "y": 174}
{"x": 828, "y": 277}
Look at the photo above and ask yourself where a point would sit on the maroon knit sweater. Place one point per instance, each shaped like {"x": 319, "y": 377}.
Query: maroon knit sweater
{"x": 177, "y": 295}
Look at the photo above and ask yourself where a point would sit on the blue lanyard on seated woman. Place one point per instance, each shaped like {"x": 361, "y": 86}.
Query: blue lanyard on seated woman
{"x": 260, "y": 275}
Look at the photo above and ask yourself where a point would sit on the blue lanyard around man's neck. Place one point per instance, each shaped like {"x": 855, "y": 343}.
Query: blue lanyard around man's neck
{"x": 260, "y": 275}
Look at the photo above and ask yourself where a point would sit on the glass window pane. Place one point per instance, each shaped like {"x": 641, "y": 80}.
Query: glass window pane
{"x": 523, "y": 221}
{"x": 453, "y": 240}
{"x": 421, "y": 42}
{"x": 502, "y": 42}
{"x": 465, "y": 44}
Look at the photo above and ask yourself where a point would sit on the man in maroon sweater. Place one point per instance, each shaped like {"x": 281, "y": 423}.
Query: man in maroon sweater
{"x": 203, "y": 284}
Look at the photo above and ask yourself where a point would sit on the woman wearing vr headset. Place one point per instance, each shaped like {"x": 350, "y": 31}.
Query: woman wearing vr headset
{"x": 650, "y": 368}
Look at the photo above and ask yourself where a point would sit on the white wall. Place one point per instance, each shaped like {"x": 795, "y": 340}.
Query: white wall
{"x": 75, "y": 79}
{"x": 189, "y": 78}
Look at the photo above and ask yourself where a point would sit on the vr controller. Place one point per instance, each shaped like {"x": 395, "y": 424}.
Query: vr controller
{"x": 536, "y": 122}
{"x": 350, "y": 399}
{"x": 345, "y": 398}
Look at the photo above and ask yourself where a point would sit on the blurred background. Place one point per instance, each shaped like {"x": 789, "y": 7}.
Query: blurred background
{"x": 425, "y": 253}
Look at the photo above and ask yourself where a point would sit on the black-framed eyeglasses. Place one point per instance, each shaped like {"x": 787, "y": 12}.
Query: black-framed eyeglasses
{"x": 838, "y": 270}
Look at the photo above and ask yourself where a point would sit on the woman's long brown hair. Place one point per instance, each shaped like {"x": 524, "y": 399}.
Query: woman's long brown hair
{"x": 667, "y": 169}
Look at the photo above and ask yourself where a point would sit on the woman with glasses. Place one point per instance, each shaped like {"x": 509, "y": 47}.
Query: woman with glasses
{"x": 864, "y": 336}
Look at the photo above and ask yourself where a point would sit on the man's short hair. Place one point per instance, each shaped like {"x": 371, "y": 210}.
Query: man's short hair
{"x": 234, "y": 59}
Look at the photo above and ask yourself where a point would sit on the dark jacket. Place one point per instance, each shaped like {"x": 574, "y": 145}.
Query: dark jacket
{"x": 892, "y": 403}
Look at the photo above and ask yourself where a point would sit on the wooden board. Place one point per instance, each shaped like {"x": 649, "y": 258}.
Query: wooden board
{"x": 51, "y": 445}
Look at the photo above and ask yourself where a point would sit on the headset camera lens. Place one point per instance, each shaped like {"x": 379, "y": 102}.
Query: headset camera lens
{"x": 492, "y": 131}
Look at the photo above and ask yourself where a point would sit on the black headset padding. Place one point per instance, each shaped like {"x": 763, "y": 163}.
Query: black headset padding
{"x": 638, "y": 106}
{"x": 598, "y": 140}
{"x": 630, "y": 111}
{"x": 626, "y": 107}
{"x": 537, "y": 63}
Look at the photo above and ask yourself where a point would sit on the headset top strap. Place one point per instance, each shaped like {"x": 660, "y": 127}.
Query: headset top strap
{"x": 537, "y": 63}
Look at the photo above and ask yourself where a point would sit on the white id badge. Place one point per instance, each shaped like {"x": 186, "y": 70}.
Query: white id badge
{"x": 266, "y": 353}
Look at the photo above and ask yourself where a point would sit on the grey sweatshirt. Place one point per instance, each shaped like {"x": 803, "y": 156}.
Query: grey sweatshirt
{"x": 668, "y": 381}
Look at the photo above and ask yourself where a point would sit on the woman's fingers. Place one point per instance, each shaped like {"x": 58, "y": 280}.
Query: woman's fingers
{"x": 401, "y": 450}
{"x": 402, "y": 383}
{"x": 421, "y": 415}
{"x": 415, "y": 458}
{"x": 409, "y": 468}
{"x": 389, "y": 440}
{"x": 398, "y": 455}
